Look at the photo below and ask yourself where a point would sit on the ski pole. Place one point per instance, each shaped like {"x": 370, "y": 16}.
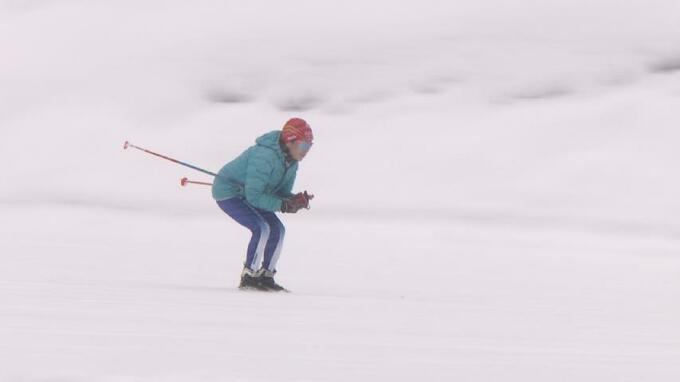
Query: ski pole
{"x": 128, "y": 144}
{"x": 184, "y": 181}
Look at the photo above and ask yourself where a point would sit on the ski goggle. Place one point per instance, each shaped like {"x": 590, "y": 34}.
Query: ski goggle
{"x": 304, "y": 145}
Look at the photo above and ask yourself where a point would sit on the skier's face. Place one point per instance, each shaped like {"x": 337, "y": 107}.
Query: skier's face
{"x": 298, "y": 149}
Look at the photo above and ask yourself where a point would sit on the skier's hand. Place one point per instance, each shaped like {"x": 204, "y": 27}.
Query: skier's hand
{"x": 308, "y": 197}
{"x": 296, "y": 203}
{"x": 288, "y": 207}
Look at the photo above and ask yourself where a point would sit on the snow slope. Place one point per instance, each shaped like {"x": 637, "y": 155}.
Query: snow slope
{"x": 495, "y": 182}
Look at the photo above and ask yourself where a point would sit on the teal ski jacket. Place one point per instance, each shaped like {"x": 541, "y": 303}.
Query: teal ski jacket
{"x": 260, "y": 174}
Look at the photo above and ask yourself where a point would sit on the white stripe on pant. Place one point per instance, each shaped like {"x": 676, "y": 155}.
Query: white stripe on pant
{"x": 277, "y": 251}
{"x": 265, "y": 232}
{"x": 261, "y": 244}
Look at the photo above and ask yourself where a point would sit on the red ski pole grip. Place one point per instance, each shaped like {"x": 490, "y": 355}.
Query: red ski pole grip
{"x": 183, "y": 181}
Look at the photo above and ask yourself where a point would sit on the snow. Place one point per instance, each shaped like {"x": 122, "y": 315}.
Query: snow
{"x": 495, "y": 188}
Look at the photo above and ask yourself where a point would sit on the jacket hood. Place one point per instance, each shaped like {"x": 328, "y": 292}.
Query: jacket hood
{"x": 270, "y": 140}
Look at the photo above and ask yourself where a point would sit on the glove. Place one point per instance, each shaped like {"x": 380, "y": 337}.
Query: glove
{"x": 296, "y": 203}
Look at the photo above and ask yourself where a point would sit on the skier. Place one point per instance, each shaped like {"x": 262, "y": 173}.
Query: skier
{"x": 255, "y": 185}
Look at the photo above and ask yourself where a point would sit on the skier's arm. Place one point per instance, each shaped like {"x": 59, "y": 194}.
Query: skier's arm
{"x": 286, "y": 190}
{"x": 258, "y": 171}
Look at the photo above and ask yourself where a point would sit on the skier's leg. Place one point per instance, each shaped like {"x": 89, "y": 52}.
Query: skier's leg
{"x": 246, "y": 215}
{"x": 272, "y": 252}
{"x": 273, "y": 249}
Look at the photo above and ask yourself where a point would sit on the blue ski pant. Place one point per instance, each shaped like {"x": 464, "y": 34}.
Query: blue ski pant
{"x": 266, "y": 228}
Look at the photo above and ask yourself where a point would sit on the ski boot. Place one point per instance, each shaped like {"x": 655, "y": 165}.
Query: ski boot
{"x": 251, "y": 280}
{"x": 267, "y": 280}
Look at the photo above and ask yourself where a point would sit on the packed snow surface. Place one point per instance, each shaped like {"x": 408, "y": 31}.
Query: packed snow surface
{"x": 496, "y": 190}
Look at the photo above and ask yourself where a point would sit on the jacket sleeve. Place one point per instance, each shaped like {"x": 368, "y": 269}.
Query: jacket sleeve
{"x": 286, "y": 190}
{"x": 258, "y": 171}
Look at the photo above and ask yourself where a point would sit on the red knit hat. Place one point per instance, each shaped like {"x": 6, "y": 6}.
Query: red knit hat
{"x": 296, "y": 129}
